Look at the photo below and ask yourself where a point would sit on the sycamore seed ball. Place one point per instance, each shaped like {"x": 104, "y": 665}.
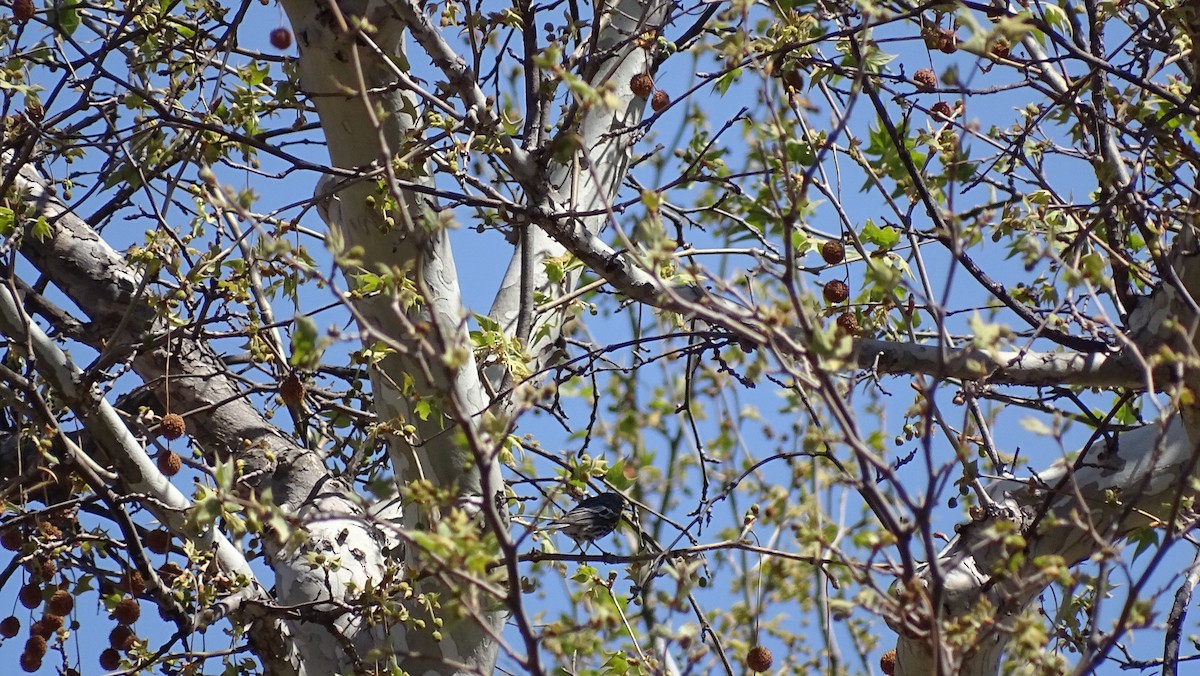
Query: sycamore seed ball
{"x": 759, "y": 659}
{"x": 172, "y": 426}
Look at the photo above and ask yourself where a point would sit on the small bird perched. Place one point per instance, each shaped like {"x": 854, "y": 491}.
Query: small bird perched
{"x": 591, "y": 519}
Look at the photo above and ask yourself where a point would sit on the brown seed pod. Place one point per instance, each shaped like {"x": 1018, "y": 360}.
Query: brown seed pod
{"x": 925, "y": 79}
{"x": 110, "y": 659}
{"x": 942, "y": 110}
{"x": 46, "y": 570}
{"x": 46, "y": 626}
{"x": 642, "y": 84}
{"x": 1001, "y": 49}
{"x": 169, "y": 462}
{"x": 660, "y": 101}
{"x": 22, "y": 10}
{"x": 281, "y": 38}
{"x": 836, "y": 291}
{"x": 169, "y": 572}
{"x": 132, "y": 583}
{"x": 127, "y": 611}
{"x": 848, "y": 323}
{"x": 36, "y": 645}
{"x": 759, "y": 659}
{"x": 61, "y": 603}
{"x": 833, "y": 252}
{"x": 887, "y": 662}
{"x": 30, "y": 595}
{"x": 172, "y": 426}
{"x": 158, "y": 541}
{"x": 291, "y": 390}
{"x": 122, "y": 638}
{"x": 12, "y": 538}
{"x": 10, "y": 626}
{"x": 30, "y": 663}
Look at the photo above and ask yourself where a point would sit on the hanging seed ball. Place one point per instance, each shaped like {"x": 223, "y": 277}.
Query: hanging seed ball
{"x": 925, "y": 79}
{"x": 36, "y": 645}
{"x": 30, "y": 595}
{"x": 759, "y": 659}
{"x": 169, "y": 462}
{"x": 172, "y": 426}
{"x": 10, "y": 626}
{"x": 291, "y": 390}
{"x": 848, "y": 323}
{"x": 122, "y": 638}
{"x": 887, "y": 662}
{"x": 836, "y": 291}
{"x": 833, "y": 252}
{"x": 169, "y": 572}
{"x": 158, "y": 541}
{"x": 110, "y": 659}
{"x": 22, "y": 10}
{"x": 61, "y": 603}
{"x": 281, "y": 38}
{"x": 11, "y": 538}
{"x": 942, "y": 110}
{"x": 46, "y": 570}
{"x": 46, "y": 626}
{"x": 660, "y": 101}
{"x": 642, "y": 84}
{"x": 132, "y": 583}
{"x": 30, "y": 663}
{"x": 127, "y": 611}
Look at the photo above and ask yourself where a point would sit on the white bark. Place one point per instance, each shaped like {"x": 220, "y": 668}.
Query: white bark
{"x": 1066, "y": 510}
{"x": 99, "y": 281}
{"x": 362, "y": 129}
{"x": 589, "y": 183}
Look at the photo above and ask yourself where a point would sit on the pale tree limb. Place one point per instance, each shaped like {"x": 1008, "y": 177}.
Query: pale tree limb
{"x": 223, "y": 422}
{"x": 138, "y": 472}
{"x": 1067, "y": 511}
{"x": 350, "y": 76}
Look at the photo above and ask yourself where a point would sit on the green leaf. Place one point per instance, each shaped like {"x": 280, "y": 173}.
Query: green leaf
{"x": 884, "y": 238}
{"x": 306, "y": 352}
{"x": 41, "y": 229}
{"x": 1036, "y": 426}
{"x": 727, "y": 80}
{"x": 423, "y": 408}
{"x": 66, "y": 16}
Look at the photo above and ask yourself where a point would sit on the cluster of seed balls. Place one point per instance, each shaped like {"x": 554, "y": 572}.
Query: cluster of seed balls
{"x": 837, "y": 291}
{"x": 42, "y": 590}
{"x": 643, "y": 85}
{"x": 59, "y": 602}
{"x": 759, "y": 659}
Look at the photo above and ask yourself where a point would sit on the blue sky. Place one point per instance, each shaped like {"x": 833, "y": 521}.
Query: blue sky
{"x": 480, "y": 267}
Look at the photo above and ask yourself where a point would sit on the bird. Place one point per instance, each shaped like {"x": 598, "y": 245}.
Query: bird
{"x": 591, "y": 519}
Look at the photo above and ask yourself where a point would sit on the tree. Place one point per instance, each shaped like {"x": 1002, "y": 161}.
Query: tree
{"x": 706, "y": 210}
